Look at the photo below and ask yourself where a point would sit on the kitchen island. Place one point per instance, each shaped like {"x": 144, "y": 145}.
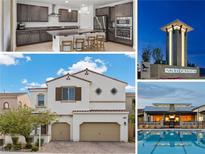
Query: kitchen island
{"x": 57, "y": 34}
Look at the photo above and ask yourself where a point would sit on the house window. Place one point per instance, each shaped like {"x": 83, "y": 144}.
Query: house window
{"x": 113, "y": 91}
{"x": 68, "y": 93}
{"x": 44, "y": 130}
{"x": 41, "y": 100}
{"x": 6, "y": 106}
{"x": 98, "y": 91}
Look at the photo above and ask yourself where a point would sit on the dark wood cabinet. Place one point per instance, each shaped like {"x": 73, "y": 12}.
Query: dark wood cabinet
{"x": 124, "y": 10}
{"x": 22, "y": 38}
{"x": 66, "y": 16}
{"x": 74, "y": 16}
{"x": 22, "y": 13}
{"x": 102, "y": 11}
{"x": 44, "y": 14}
{"x": 111, "y": 34}
{"x": 45, "y": 37}
{"x": 34, "y": 37}
{"x": 31, "y": 13}
{"x": 112, "y": 14}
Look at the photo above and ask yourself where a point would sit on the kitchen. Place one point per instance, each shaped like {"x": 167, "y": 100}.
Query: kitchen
{"x": 68, "y": 25}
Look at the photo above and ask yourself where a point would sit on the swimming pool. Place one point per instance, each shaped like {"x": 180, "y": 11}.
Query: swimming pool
{"x": 171, "y": 142}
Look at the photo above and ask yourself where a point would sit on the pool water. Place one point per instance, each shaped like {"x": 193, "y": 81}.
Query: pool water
{"x": 171, "y": 142}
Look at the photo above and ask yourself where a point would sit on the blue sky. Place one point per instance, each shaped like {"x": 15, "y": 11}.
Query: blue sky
{"x": 18, "y": 71}
{"x": 171, "y": 92}
{"x": 153, "y": 14}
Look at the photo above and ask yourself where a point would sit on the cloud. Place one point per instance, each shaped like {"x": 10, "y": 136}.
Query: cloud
{"x": 49, "y": 78}
{"x": 96, "y": 65}
{"x": 131, "y": 55}
{"x": 130, "y": 88}
{"x": 27, "y": 85}
{"x": 12, "y": 59}
{"x": 61, "y": 71}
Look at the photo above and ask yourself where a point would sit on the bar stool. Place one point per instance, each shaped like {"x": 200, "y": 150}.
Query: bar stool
{"x": 100, "y": 41}
{"x": 66, "y": 43}
{"x": 91, "y": 41}
{"x": 79, "y": 42}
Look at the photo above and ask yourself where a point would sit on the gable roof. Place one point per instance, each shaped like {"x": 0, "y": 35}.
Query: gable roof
{"x": 68, "y": 74}
{"x": 99, "y": 74}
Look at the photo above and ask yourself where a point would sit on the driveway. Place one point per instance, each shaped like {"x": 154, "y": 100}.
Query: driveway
{"x": 89, "y": 147}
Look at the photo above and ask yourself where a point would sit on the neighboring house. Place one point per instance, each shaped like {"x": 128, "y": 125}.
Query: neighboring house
{"x": 9, "y": 101}
{"x": 130, "y": 102}
{"x": 90, "y": 106}
{"x": 13, "y": 101}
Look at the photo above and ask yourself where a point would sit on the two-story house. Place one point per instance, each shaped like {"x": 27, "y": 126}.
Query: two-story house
{"x": 10, "y": 101}
{"x": 90, "y": 107}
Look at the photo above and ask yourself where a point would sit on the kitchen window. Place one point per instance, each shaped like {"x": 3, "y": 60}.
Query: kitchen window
{"x": 41, "y": 100}
{"x": 68, "y": 93}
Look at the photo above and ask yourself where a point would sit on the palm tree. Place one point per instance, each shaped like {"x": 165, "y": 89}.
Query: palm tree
{"x": 157, "y": 56}
{"x": 146, "y": 54}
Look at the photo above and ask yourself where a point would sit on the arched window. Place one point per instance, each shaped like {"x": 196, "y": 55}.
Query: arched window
{"x": 6, "y": 106}
{"x": 41, "y": 100}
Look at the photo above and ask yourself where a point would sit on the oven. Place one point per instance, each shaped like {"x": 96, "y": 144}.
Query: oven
{"x": 123, "y": 28}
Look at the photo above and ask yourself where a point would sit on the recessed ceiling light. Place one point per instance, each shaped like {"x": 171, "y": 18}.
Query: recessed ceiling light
{"x": 66, "y": 1}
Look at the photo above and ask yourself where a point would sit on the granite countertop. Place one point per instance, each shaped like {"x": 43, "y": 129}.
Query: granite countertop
{"x": 71, "y": 32}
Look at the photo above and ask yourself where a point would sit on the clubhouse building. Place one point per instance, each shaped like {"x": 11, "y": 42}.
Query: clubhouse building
{"x": 176, "y": 66}
{"x": 183, "y": 116}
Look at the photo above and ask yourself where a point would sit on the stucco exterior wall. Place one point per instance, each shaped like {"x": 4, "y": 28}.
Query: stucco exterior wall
{"x": 12, "y": 100}
{"x": 105, "y": 84}
{"x": 66, "y": 107}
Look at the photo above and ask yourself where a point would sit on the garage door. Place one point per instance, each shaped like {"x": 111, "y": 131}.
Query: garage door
{"x": 100, "y": 132}
{"x": 60, "y": 132}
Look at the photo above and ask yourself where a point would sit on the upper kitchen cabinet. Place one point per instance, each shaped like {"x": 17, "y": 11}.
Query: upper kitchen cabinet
{"x": 44, "y": 14}
{"x": 22, "y": 13}
{"x": 31, "y": 13}
{"x": 112, "y": 14}
{"x": 124, "y": 10}
{"x": 102, "y": 11}
{"x": 66, "y": 16}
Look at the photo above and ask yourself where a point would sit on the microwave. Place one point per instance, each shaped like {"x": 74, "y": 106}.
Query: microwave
{"x": 124, "y": 21}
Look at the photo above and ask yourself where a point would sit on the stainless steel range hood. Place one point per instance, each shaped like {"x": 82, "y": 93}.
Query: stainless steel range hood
{"x": 53, "y": 14}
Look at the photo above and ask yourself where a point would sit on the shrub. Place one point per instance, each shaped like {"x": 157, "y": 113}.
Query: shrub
{"x": 15, "y": 140}
{"x": 1, "y": 142}
{"x": 34, "y": 149}
{"x": 8, "y": 147}
{"x": 42, "y": 141}
{"x": 17, "y": 147}
{"x": 29, "y": 140}
{"x": 28, "y": 146}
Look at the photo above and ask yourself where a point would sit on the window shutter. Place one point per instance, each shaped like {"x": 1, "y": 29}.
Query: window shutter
{"x": 58, "y": 94}
{"x": 78, "y": 93}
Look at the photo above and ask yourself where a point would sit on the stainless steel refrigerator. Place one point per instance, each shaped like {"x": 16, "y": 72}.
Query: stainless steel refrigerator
{"x": 100, "y": 24}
